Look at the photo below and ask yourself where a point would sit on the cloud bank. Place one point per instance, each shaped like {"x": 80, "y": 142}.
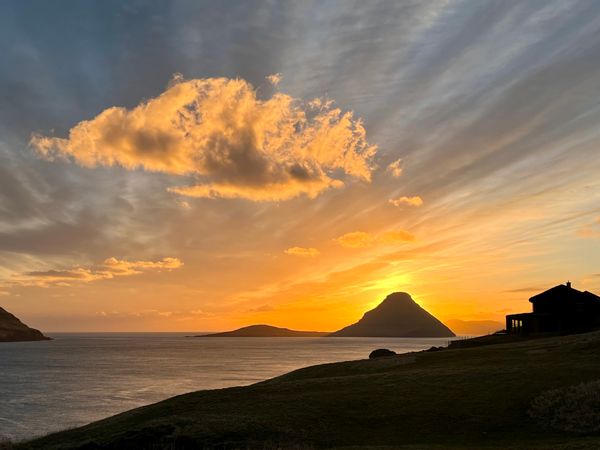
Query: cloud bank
{"x": 231, "y": 143}
{"x": 109, "y": 268}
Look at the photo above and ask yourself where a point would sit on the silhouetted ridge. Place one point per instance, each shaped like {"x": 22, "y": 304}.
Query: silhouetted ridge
{"x": 265, "y": 331}
{"x": 13, "y": 330}
{"x": 397, "y": 316}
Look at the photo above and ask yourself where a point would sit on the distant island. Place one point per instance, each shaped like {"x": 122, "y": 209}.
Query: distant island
{"x": 265, "y": 331}
{"x": 398, "y": 315}
{"x": 13, "y": 330}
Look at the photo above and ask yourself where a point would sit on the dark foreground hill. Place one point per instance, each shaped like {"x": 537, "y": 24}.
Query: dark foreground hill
{"x": 474, "y": 398}
{"x": 265, "y": 331}
{"x": 13, "y": 330}
{"x": 397, "y": 316}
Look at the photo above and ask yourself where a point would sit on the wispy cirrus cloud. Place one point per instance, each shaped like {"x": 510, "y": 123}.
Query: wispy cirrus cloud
{"x": 260, "y": 309}
{"x": 233, "y": 144}
{"x": 394, "y": 237}
{"x": 109, "y": 268}
{"x": 590, "y": 231}
{"x": 179, "y": 315}
{"x": 523, "y": 290}
{"x": 302, "y": 251}
{"x": 362, "y": 239}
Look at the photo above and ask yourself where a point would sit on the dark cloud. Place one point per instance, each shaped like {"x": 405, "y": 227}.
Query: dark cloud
{"x": 56, "y": 274}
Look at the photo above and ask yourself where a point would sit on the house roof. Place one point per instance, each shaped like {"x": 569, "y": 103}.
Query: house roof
{"x": 565, "y": 292}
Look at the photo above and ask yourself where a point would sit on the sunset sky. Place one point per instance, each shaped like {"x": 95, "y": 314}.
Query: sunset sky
{"x": 180, "y": 166}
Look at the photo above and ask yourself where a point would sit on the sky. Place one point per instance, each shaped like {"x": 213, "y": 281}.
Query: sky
{"x": 188, "y": 165}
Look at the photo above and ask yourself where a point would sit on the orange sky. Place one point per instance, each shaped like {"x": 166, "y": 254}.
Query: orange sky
{"x": 256, "y": 179}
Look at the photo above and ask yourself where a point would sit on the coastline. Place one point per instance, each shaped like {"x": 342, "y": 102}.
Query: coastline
{"x": 474, "y": 397}
{"x": 79, "y": 378}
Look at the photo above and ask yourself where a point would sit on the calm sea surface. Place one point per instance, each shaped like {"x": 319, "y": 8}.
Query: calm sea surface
{"x": 79, "y": 378}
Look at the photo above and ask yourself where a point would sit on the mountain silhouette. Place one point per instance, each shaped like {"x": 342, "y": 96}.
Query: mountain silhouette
{"x": 13, "y": 330}
{"x": 265, "y": 331}
{"x": 397, "y": 316}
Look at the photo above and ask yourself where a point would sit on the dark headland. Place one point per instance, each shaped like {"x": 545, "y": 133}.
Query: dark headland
{"x": 398, "y": 315}
{"x": 13, "y": 330}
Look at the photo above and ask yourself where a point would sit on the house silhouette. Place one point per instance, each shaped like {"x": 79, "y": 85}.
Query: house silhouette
{"x": 561, "y": 309}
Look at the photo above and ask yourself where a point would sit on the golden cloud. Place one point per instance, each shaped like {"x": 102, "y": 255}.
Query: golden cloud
{"x": 395, "y": 168}
{"x": 231, "y": 143}
{"x": 410, "y": 201}
{"x": 362, "y": 239}
{"x": 274, "y": 78}
{"x": 355, "y": 239}
{"x": 110, "y": 268}
{"x": 124, "y": 267}
{"x": 302, "y": 251}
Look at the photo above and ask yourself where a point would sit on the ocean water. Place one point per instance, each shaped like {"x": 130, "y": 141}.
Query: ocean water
{"x": 81, "y": 377}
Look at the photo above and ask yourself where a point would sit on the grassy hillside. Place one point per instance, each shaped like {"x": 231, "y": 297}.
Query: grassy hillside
{"x": 463, "y": 398}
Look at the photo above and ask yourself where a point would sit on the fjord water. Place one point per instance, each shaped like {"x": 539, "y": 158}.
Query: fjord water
{"x": 78, "y": 378}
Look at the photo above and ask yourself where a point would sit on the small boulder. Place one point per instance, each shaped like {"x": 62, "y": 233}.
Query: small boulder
{"x": 381, "y": 353}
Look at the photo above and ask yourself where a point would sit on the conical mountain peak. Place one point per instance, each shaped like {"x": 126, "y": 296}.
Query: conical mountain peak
{"x": 398, "y": 315}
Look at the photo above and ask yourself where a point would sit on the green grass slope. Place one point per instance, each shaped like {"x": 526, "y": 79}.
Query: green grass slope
{"x": 451, "y": 399}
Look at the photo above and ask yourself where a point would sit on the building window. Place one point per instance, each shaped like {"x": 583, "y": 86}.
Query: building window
{"x": 516, "y": 325}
